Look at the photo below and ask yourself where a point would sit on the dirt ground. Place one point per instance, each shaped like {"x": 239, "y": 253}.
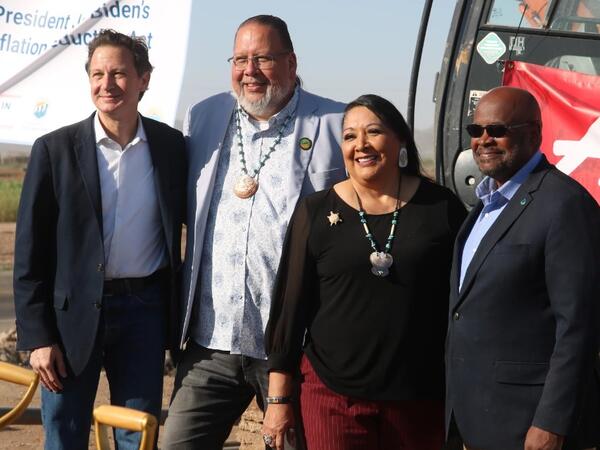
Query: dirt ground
{"x": 7, "y": 245}
{"x": 31, "y": 436}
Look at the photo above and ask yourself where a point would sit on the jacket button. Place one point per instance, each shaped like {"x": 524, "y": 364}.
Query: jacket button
{"x": 97, "y": 305}
{"x": 456, "y": 316}
{"x": 100, "y": 267}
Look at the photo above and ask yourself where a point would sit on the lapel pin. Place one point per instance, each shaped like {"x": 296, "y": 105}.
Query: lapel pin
{"x": 305, "y": 143}
{"x": 523, "y": 201}
{"x": 334, "y": 218}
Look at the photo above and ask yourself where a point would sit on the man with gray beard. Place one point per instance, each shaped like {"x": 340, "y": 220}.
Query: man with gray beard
{"x": 252, "y": 154}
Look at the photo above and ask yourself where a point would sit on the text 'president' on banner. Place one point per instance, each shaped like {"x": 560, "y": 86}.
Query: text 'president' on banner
{"x": 43, "y": 49}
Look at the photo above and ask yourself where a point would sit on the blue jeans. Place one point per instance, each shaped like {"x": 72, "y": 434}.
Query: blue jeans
{"x": 130, "y": 345}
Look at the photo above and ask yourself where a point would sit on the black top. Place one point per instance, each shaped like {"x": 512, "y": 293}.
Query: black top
{"x": 366, "y": 336}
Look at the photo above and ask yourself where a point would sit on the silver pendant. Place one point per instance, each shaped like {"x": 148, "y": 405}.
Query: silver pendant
{"x": 381, "y": 262}
{"x": 245, "y": 187}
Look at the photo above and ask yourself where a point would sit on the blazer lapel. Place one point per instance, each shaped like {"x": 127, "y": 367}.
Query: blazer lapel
{"x": 307, "y": 125}
{"x": 161, "y": 171}
{"x": 461, "y": 238}
{"x": 205, "y": 136}
{"x": 515, "y": 207}
{"x": 85, "y": 151}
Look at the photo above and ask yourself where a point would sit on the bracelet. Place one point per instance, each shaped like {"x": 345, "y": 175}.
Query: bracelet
{"x": 278, "y": 400}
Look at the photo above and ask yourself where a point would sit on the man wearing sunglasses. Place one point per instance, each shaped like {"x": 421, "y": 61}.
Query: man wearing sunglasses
{"x": 522, "y": 346}
{"x": 252, "y": 154}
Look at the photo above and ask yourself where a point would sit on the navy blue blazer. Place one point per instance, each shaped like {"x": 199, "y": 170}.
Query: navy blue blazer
{"x": 523, "y": 335}
{"x": 59, "y": 251}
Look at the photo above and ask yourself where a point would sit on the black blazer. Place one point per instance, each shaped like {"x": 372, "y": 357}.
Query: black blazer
{"x": 59, "y": 251}
{"x": 522, "y": 345}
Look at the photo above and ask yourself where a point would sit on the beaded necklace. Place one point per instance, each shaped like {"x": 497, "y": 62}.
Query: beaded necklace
{"x": 247, "y": 184}
{"x": 380, "y": 261}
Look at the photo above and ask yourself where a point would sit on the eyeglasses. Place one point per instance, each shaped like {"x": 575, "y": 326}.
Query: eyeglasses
{"x": 494, "y": 130}
{"x": 259, "y": 61}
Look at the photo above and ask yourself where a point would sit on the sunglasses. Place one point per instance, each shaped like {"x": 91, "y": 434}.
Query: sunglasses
{"x": 495, "y": 131}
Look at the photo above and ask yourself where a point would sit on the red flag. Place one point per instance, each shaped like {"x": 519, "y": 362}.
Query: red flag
{"x": 570, "y": 103}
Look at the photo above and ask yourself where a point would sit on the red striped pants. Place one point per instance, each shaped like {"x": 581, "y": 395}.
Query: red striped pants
{"x": 337, "y": 422}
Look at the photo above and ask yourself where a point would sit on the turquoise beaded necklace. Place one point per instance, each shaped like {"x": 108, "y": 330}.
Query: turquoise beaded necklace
{"x": 381, "y": 261}
{"x": 247, "y": 185}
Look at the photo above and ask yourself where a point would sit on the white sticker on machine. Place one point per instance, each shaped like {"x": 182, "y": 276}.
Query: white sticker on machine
{"x": 474, "y": 97}
{"x": 491, "y": 48}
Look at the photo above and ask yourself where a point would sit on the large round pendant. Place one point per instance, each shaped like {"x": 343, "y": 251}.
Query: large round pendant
{"x": 245, "y": 187}
{"x": 381, "y": 262}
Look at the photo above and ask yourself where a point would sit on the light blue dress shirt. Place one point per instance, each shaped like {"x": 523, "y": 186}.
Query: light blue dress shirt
{"x": 494, "y": 201}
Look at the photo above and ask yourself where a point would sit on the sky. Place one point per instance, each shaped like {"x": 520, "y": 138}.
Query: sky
{"x": 345, "y": 48}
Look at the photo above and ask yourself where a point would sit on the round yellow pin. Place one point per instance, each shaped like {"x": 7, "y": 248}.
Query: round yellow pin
{"x": 305, "y": 143}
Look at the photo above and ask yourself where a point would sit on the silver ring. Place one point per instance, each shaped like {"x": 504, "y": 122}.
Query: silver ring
{"x": 269, "y": 440}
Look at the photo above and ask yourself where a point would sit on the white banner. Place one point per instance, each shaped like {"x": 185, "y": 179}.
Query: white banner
{"x": 43, "y": 50}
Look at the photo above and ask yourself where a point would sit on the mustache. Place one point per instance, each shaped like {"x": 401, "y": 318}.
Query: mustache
{"x": 252, "y": 80}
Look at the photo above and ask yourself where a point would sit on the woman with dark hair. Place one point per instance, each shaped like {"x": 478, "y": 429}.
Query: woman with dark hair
{"x": 360, "y": 302}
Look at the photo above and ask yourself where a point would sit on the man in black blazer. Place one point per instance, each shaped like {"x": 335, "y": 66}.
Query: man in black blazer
{"x": 98, "y": 250}
{"x": 522, "y": 346}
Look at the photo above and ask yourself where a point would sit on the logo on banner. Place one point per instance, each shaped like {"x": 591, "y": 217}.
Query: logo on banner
{"x": 40, "y": 109}
{"x": 574, "y": 153}
{"x": 570, "y": 103}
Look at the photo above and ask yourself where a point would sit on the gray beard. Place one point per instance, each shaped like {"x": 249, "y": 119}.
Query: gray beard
{"x": 265, "y": 106}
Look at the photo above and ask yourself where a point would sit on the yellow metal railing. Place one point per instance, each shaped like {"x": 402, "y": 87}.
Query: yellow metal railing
{"x": 129, "y": 419}
{"x": 18, "y": 375}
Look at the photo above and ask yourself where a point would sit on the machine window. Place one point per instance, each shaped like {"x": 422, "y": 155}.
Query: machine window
{"x": 576, "y": 63}
{"x": 581, "y": 16}
{"x": 509, "y": 13}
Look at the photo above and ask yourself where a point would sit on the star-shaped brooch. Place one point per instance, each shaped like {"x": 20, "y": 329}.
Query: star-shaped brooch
{"x": 334, "y": 218}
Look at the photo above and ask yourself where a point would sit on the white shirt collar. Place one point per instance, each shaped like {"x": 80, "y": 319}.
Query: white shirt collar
{"x": 486, "y": 190}
{"x": 103, "y": 138}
